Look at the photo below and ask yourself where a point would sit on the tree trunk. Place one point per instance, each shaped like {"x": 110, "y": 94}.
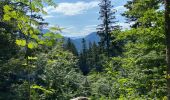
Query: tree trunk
{"x": 167, "y": 33}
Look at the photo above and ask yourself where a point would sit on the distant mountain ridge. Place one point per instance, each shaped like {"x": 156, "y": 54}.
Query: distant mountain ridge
{"x": 92, "y": 37}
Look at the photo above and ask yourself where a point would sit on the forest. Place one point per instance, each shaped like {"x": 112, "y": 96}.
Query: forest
{"x": 126, "y": 64}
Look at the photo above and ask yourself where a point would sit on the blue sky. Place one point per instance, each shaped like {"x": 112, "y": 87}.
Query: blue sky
{"x": 80, "y": 17}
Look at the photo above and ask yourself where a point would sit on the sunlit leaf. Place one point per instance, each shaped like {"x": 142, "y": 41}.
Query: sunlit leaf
{"x": 48, "y": 34}
{"x": 32, "y": 45}
{"x": 41, "y": 42}
{"x": 32, "y": 58}
{"x": 35, "y": 37}
{"x": 20, "y": 42}
{"x": 31, "y": 31}
{"x": 54, "y": 29}
{"x": 7, "y": 8}
{"x": 24, "y": 64}
{"x": 7, "y": 17}
{"x": 58, "y": 36}
{"x": 43, "y": 89}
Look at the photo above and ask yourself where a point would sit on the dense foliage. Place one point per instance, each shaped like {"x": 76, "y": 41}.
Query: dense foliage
{"x": 125, "y": 65}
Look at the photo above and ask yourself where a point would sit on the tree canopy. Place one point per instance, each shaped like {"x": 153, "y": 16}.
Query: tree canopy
{"x": 126, "y": 64}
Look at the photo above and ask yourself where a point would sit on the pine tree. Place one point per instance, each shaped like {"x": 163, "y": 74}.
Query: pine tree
{"x": 83, "y": 58}
{"x": 105, "y": 29}
{"x": 95, "y": 55}
{"x": 71, "y": 47}
{"x": 89, "y": 56}
{"x": 90, "y": 46}
{"x": 84, "y": 46}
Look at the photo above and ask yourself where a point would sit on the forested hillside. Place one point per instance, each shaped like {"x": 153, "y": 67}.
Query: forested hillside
{"x": 91, "y": 38}
{"x": 126, "y": 64}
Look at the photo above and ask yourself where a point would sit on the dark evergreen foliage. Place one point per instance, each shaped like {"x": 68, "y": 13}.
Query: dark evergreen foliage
{"x": 83, "y": 58}
{"x": 70, "y": 47}
{"x": 108, "y": 25}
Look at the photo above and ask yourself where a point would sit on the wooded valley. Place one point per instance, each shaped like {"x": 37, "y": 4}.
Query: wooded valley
{"x": 126, "y": 64}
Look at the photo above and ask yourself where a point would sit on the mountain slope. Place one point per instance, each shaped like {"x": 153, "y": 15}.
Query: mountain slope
{"x": 92, "y": 37}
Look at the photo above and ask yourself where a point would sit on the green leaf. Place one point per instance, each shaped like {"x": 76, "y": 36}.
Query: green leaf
{"x": 20, "y": 42}
{"x": 32, "y": 58}
{"x": 44, "y": 12}
{"x": 52, "y": 35}
{"x": 35, "y": 37}
{"x": 31, "y": 31}
{"x": 32, "y": 45}
{"x": 43, "y": 89}
{"x": 7, "y": 13}
{"x": 48, "y": 34}
{"x": 55, "y": 29}
{"x": 58, "y": 36}
{"x": 49, "y": 43}
{"x": 6, "y": 17}
{"x": 122, "y": 81}
{"x": 24, "y": 64}
{"x": 41, "y": 42}
{"x": 13, "y": 13}
{"x": 7, "y": 8}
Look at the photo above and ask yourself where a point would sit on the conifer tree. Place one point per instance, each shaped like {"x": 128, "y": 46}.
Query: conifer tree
{"x": 84, "y": 46}
{"x": 90, "y": 46}
{"x": 95, "y": 56}
{"x": 83, "y": 58}
{"x": 90, "y": 59}
{"x": 71, "y": 47}
{"x": 105, "y": 29}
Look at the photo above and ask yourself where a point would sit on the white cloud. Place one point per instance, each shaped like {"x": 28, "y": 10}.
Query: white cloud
{"x": 125, "y": 26}
{"x": 71, "y": 9}
{"x": 48, "y": 16}
{"x": 120, "y": 9}
{"x": 89, "y": 29}
{"x": 72, "y": 31}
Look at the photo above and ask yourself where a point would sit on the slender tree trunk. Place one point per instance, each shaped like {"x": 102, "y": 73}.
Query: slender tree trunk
{"x": 167, "y": 32}
{"x": 28, "y": 53}
{"x": 107, "y": 31}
